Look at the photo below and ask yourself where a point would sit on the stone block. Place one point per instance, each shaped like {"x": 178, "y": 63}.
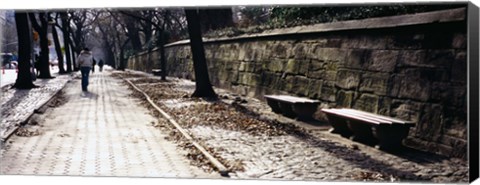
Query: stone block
{"x": 249, "y": 79}
{"x": 316, "y": 65}
{"x": 276, "y": 65}
{"x": 441, "y": 92}
{"x": 251, "y": 54}
{"x": 331, "y": 65}
{"x": 455, "y": 122}
{"x": 384, "y": 105}
{"x": 331, "y": 54}
{"x": 410, "y": 87}
{"x": 334, "y": 42}
{"x": 357, "y": 59}
{"x": 405, "y": 109}
{"x": 258, "y": 67}
{"x": 440, "y": 58}
{"x": 348, "y": 79}
{"x": 383, "y": 60}
{"x": 430, "y": 124}
{"x": 303, "y": 67}
{"x": 458, "y": 145}
{"x": 268, "y": 79}
{"x": 314, "y": 88}
{"x": 328, "y": 93}
{"x": 280, "y": 50}
{"x": 459, "y": 132}
{"x": 299, "y": 51}
{"x": 255, "y": 79}
{"x": 345, "y": 98}
{"x": 233, "y": 77}
{"x": 240, "y": 89}
{"x": 366, "y": 102}
{"x": 459, "y": 68}
{"x": 241, "y": 53}
{"x": 362, "y": 41}
{"x": 412, "y": 58}
{"x": 459, "y": 41}
{"x": 292, "y": 66}
{"x": 275, "y": 81}
{"x": 328, "y": 75}
{"x": 289, "y": 83}
{"x": 222, "y": 76}
{"x": 376, "y": 83}
{"x": 242, "y": 67}
{"x": 246, "y": 67}
{"x": 458, "y": 96}
{"x": 300, "y": 85}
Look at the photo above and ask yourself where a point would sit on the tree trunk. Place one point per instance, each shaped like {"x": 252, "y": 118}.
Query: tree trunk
{"x": 44, "y": 53}
{"x": 74, "y": 57}
{"x": 163, "y": 61}
{"x": 133, "y": 34}
{"x": 58, "y": 49}
{"x": 122, "y": 60}
{"x": 111, "y": 58}
{"x": 66, "y": 40}
{"x": 122, "y": 53}
{"x": 203, "y": 87}
{"x": 24, "y": 77}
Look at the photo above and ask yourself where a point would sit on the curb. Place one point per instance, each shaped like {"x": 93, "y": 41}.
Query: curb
{"x": 35, "y": 110}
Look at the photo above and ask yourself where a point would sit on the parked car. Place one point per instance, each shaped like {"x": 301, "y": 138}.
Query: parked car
{"x": 8, "y": 61}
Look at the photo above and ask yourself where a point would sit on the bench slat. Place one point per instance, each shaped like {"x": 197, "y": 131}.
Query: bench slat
{"x": 380, "y": 116}
{"x": 385, "y": 121}
{"x": 291, "y": 99}
{"x": 346, "y": 115}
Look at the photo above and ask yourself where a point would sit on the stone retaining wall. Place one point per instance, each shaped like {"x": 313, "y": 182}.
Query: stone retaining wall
{"x": 412, "y": 67}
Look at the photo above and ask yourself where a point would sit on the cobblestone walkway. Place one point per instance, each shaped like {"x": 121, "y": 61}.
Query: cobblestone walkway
{"x": 100, "y": 133}
{"x": 17, "y": 105}
{"x": 321, "y": 157}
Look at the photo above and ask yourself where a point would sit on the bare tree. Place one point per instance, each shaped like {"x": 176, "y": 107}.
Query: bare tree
{"x": 203, "y": 87}
{"x": 66, "y": 39}
{"x": 82, "y": 21}
{"x": 42, "y": 29}
{"x": 24, "y": 78}
{"x": 164, "y": 21}
{"x": 58, "y": 47}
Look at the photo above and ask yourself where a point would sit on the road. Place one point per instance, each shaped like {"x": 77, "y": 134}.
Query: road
{"x": 8, "y": 76}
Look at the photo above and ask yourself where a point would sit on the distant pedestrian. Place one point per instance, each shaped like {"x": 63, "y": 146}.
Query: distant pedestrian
{"x": 85, "y": 61}
{"x": 93, "y": 64}
{"x": 100, "y": 64}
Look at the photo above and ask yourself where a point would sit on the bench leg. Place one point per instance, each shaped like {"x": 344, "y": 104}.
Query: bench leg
{"x": 361, "y": 132}
{"x": 390, "y": 136}
{"x": 287, "y": 109}
{"x": 339, "y": 125}
{"x": 274, "y": 106}
{"x": 305, "y": 111}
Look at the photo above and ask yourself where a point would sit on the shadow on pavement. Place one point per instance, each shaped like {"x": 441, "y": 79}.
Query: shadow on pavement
{"x": 355, "y": 157}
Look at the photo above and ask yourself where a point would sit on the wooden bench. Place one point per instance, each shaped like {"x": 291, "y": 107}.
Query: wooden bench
{"x": 385, "y": 132}
{"x": 157, "y": 72}
{"x": 293, "y": 107}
